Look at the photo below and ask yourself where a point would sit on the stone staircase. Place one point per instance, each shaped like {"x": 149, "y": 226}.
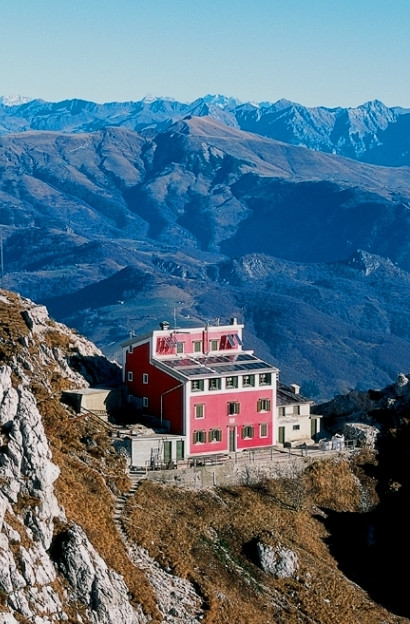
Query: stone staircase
{"x": 135, "y": 478}
{"x": 177, "y": 599}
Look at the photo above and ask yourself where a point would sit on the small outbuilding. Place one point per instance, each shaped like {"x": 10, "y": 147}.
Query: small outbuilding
{"x": 96, "y": 400}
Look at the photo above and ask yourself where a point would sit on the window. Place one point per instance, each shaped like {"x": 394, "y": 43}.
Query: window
{"x": 214, "y": 345}
{"x": 215, "y": 435}
{"x": 197, "y": 346}
{"x": 296, "y": 410}
{"x": 263, "y": 405}
{"x": 247, "y": 432}
{"x": 233, "y": 407}
{"x": 199, "y": 410}
{"x": 231, "y": 382}
{"x": 215, "y": 384}
{"x": 130, "y": 376}
{"x": 230, "y": 341}
{"x": 199, "y": 437}
{"x": 263, "y": 430}
{"x": 296, "y": 427}
{"x": 265, "y": 379}
{"x": 144, "y": 401}
{"x": 180, "y": 347}
{"x": 145, "y": 378}
{"x": 281, "y": 411}
{"x": 197, "y": 385}
{"x": 248, "y": 380}
{"x": 130, "y": 349}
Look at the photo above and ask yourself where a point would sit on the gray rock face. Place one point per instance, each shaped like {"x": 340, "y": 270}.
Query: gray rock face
{"x": 277, "y": 560}
{"x": 402, "y": 385}
{"x": 46, "y": 570}
{"x": 364, "y": 435}
{"x": 27, "y": 501}
{"x": 92, "y": 581}
{"x": 35, "y": 584}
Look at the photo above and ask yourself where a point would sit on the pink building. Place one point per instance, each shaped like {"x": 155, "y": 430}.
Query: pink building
{"x": 204, "y": 388}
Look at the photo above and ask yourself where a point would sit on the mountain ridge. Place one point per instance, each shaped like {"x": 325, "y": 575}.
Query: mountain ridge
{"x": 178, "y": 205}
{"x": 358, "y": 133}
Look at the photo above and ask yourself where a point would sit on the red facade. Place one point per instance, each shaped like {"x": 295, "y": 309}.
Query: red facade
{"x": 203, "y": 385}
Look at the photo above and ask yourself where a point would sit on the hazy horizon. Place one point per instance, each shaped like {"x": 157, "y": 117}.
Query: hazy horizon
{"x": 316, "y": 53}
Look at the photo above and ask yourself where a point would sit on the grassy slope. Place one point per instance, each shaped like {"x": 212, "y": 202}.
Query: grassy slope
{"x": 209, "y": 537}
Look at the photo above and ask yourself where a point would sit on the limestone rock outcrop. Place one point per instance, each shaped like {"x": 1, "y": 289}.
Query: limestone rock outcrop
{"x": 277, "y": 560}
{"x": 39, "y": 582}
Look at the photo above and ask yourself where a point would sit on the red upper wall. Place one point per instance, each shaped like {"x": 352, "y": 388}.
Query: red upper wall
{"x": 197, "y": 341}
{"x": 154, "y": 386}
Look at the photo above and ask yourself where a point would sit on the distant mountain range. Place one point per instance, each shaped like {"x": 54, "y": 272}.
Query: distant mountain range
{"x": 118, "y": 216}
{"x": 371, "y": 132}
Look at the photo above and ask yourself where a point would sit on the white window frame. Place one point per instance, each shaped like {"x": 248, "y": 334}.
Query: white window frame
{"x": 234, "y": 407}
{"x": 199, "y": 387}
{"x": 130, "y": 376}
{"x": 180, "y": 347}
{"x": 263, "y": 405}
{"x": 215, "y": 435}
{"x": 248, "y": 429}
{"x": 199, "y": 436}
{"x": 263, "y": 430}
{"x": 145, "y": 402}
{"x": 233, "y": 384}
{"x": 199, "y": 411}
{"x": 250, "y": 383}
{"x": 214, "y": 383}
{"x": 145, "y": 378}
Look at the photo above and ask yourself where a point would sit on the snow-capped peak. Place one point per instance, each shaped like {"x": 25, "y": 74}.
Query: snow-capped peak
{"x": 14, "y": 100}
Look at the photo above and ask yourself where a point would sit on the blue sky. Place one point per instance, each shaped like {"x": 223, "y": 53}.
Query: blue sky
{"x": 315, "y": 52}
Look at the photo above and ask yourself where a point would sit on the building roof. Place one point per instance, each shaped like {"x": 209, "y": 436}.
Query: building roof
{"x": 215, "y": 365}
{"x": 286, "y": 396}
{"x": 90, "y": 391}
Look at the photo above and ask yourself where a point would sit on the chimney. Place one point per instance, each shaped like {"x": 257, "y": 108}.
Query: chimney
{"x": 295, "y": 388}
{"x": 164, "y": 325}
{"x": 234, "y": 320}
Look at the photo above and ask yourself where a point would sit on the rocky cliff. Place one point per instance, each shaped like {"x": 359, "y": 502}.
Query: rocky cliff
{"x": 49, "y": 570}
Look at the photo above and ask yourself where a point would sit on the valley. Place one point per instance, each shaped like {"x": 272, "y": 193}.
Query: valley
{"x": 192, "y": 219}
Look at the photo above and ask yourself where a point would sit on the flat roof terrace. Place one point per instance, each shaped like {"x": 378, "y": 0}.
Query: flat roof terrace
{"x": 215, "y": 365}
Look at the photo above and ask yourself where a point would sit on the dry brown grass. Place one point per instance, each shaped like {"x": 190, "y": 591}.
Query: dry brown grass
{"x": 333, "y": 485}
{"x": 17, "y": 526}
{"x": 207, "y": 537}
{"x": 12, "y": 329}
{"x": 83, "y": 492}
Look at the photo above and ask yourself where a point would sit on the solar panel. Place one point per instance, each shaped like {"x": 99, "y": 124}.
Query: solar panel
{"x": 216, "y": 364}
{"x": 242, "y": 357}
{"x": 228, "y": 368}
{"x": 191, "y": 372}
